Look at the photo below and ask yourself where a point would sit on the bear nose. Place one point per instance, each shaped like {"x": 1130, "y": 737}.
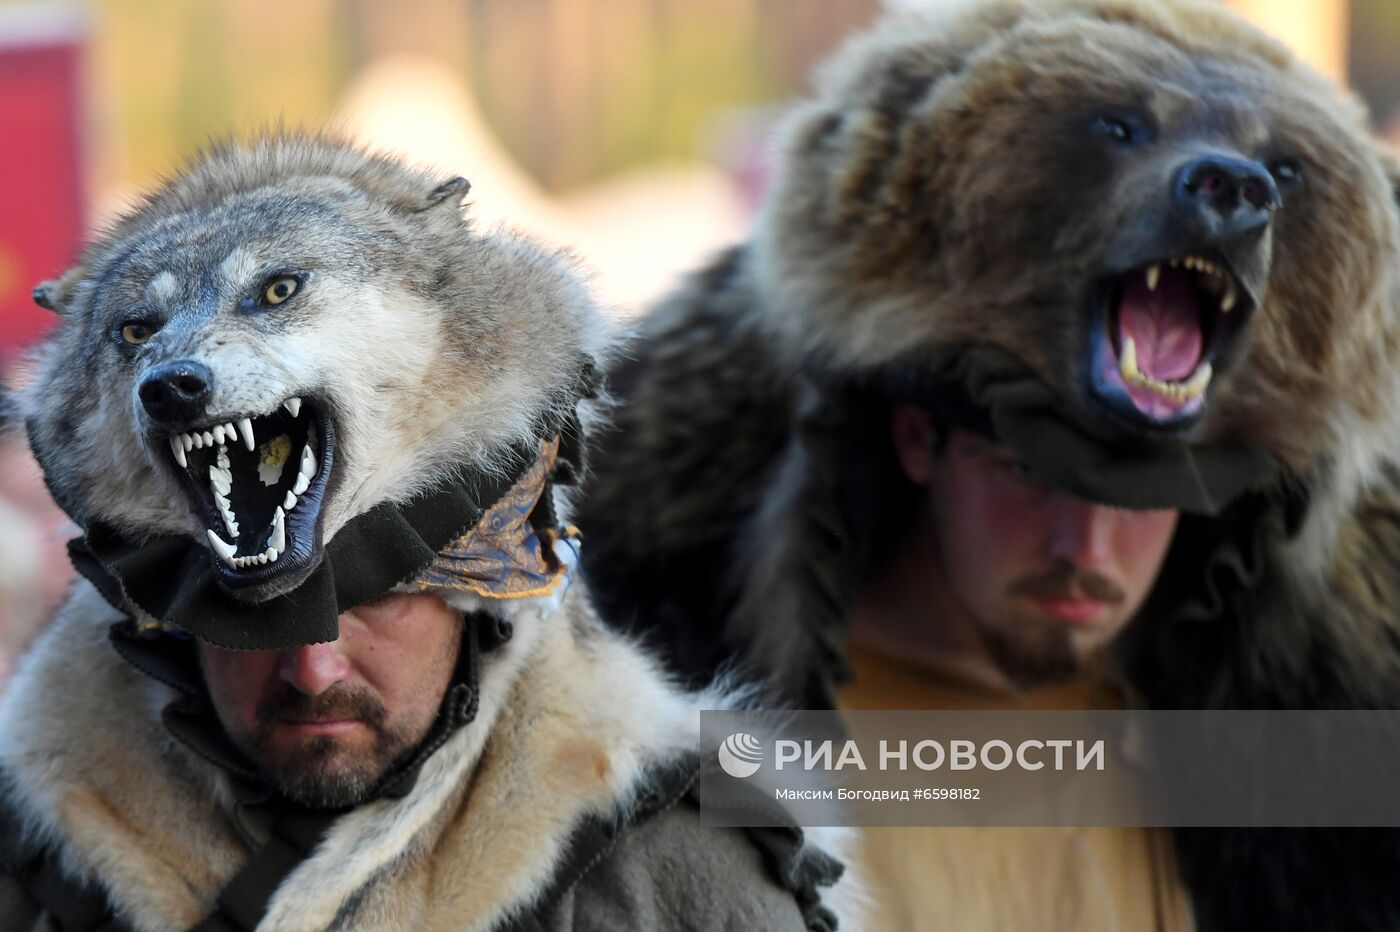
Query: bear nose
{"x": 176, "y": 392}
{"x": 1223, "y": 197}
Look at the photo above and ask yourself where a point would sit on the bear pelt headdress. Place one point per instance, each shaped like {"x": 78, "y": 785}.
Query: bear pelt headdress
{"x": 1152, "y": 252}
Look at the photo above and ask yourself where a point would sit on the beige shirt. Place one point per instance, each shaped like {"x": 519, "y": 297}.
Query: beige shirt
{"x": 1023, "y": 879}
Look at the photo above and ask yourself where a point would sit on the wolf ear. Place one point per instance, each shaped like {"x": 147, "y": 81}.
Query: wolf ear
{"x": 451, "y": 191}
{"x": 52, "y": 295}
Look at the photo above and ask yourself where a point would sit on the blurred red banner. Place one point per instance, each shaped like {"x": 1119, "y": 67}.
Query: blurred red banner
{"x": 41, "y": 189}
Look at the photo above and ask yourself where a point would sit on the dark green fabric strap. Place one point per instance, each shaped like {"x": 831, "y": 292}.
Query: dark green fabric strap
{"x": 986, "y": 389}
{"x": 244, "y": 900}
{"x": 173, "y": 578}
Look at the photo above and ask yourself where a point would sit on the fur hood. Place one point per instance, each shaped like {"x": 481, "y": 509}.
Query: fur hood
{"x": 575, "y": 718}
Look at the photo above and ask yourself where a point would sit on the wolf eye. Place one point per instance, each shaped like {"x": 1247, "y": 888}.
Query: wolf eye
{"x": 280, "y": 289}
{"x": 136, "y": 332}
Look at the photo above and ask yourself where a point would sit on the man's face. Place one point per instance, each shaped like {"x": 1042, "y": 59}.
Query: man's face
{"x": 325, "y": 722}
{"x": 1048, "y": 579}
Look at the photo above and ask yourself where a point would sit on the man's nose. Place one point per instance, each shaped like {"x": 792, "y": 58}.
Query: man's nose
{"x": 315, "y": 668}
{"x": 1081, "y": 532}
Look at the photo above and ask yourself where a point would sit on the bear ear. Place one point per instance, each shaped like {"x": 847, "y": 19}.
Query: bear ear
{"x": 449, "y": 192}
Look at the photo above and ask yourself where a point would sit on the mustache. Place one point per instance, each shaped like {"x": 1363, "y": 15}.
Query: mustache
{"x": 338, "y": 702}
{"x": 1064, "y": 580}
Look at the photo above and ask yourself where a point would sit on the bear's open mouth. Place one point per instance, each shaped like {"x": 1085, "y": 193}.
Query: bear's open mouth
{"x": 258, "y": 483}
{"x": 1156, "y": 333}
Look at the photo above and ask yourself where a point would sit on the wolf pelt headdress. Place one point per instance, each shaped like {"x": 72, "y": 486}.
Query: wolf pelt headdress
{"x": 316, "y": 364}
{"x": 980, "y": 210}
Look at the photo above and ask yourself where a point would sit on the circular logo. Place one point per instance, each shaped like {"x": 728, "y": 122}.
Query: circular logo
{"x": 741, "y": 755}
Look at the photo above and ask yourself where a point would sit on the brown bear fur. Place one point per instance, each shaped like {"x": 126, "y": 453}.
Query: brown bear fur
{"x": 941, "y": 189}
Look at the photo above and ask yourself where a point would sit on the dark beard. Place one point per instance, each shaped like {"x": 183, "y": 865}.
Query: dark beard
{"x": 1032, "y": 663}
{"x": 322, "y": 775}
{"x": 319, "y": 782}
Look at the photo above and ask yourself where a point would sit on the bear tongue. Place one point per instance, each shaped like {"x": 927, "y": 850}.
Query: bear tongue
{"x": 1165, "y": 325}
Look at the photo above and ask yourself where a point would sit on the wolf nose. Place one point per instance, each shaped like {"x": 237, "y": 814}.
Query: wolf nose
{"x": 176, "y": 392}
{"x": 1222, "y": 197}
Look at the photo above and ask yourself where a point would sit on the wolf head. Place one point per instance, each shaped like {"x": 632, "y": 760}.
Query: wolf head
{"x": 285, "y": 335}
{"x": 1175, "y": 224}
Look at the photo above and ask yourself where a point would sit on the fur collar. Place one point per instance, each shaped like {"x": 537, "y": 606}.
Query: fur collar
{"x": 574, "y": 714}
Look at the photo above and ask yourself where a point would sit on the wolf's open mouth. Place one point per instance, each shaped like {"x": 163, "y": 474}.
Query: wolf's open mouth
{"x": 1155, "y": 333}
{"x": 259, "y": 482}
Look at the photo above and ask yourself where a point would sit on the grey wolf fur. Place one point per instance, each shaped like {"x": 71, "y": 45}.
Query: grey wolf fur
{"x": 930, "y": 195}
{"x": 435, "y": 348}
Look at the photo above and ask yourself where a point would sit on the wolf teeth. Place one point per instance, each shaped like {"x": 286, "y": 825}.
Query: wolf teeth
{"x": 221, "y": 485}
{"x": 224, "y": 550}
{"x": 278, "y": 539}
{"x": 220, "y": 479}
{"x": 181, "y": 444}
{"x": 257, "y": 559}
{"x": 226, "y": 512}
{"x": 1154, "y": 272}
{"x": 1177, "y": 391}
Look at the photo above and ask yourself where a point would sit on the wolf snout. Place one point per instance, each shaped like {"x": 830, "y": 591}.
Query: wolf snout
{"x": 1222, "y": 197}
{"x": 176, "y": 392}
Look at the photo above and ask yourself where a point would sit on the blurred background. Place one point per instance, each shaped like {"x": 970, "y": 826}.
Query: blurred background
{"x": 634, "y": 132}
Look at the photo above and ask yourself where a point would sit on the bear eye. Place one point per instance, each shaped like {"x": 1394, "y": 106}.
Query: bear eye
{"x": 136, "y": 332}
{"x": 280, "y": 289}
{"x": 1114, "y": 128}
{"x": 1286, "y": 171}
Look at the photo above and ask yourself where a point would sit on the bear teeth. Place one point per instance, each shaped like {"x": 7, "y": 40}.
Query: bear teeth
{"x": 1218, "y": 281}
{"x": 1176, "y": 391}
